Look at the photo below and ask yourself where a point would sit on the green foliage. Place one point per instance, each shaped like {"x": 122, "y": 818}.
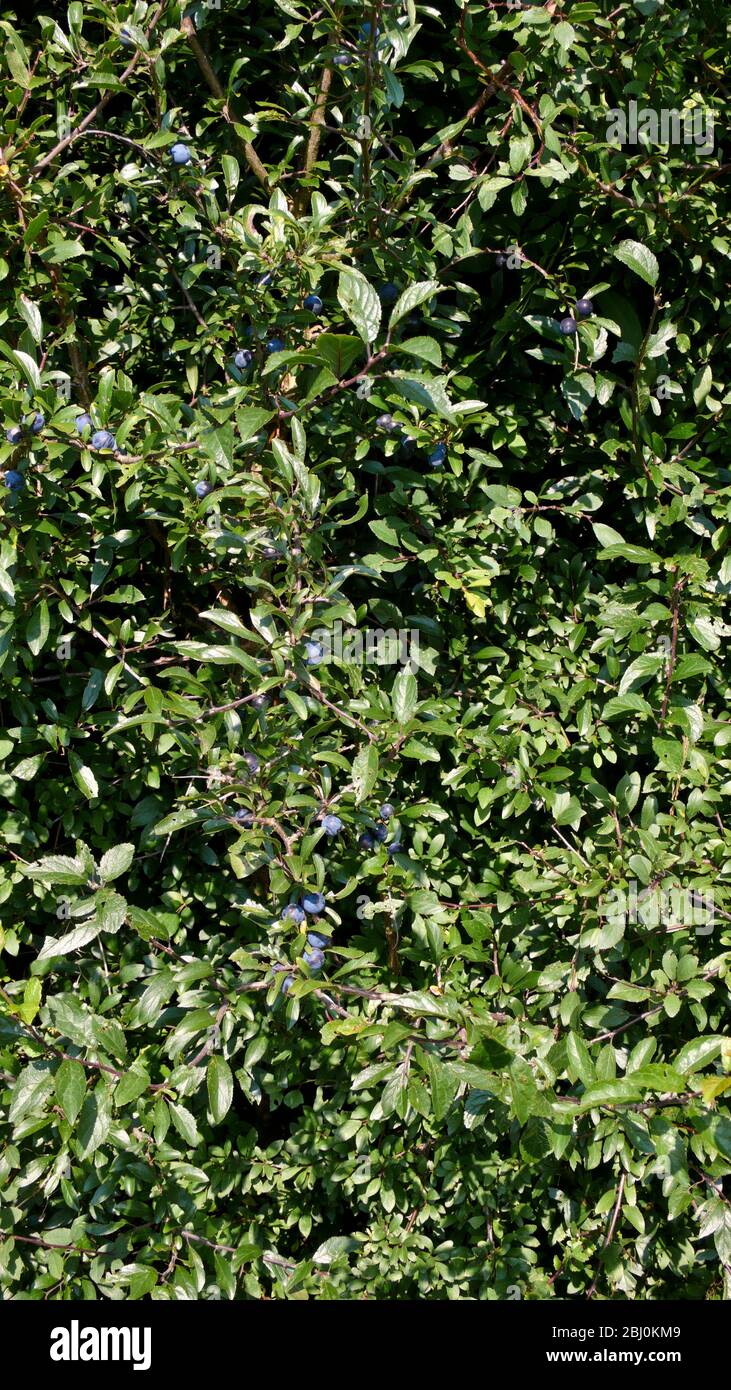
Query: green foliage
{"x": 500, "y": 1082}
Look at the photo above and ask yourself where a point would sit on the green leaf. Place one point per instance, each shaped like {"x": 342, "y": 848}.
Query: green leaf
{"x": 338, "y": 351}
{"x": 365, "y": 772}
{"x": 110, "y": 911}
{"x": 59, "y": 250}
{"x": 637, "y": 554}
{"x": 72, "y": 941}
{"x": 427, "y": 349}
{"x": 30, "y": 1092}
{"x": 702, "y": 383}
{"x": 697, "y": 1053}
{"x": 639, "y": 259}
{"x": 333, "y": 1247}
{"x": 404, "y": 697}
{"x": 579, "y": 1059}
{"x": 527, "y": 1099}
{"x": 70, "y": 1086}
{"x": 218, "y": 444}
{"x": 92, "y": 689}
{"x": 132, "y": 1085}
{"x": 361, "y": 303}
{"x": 220, "y": 1083}
{"x": 608, "y": 1093}
{"x": 411, "y": 298}
{"x": 32, "y": 995}
{"x": 224, "y": 618}
{"x": 230, "y": 168}
{"x": 95, "y": 1122}
{"x": 704, "y": 632}
{"x": 429, "y": 1005}
{"x": 37, "y": 630}
{"x": 146, "y": 924}
{"x": 115, "y": 862}
{"x": 32, "y": 315}
{"x": 185, "y": 1124}
{"x": 579, "y": 392}
{"x": 177, "y": 821}
{"x": 250, "y": 421}
{"x": 394, "y": 1096}
{"x": 28, "y": 768}
{"x": 27, "y": 365}
{"x": 83, "y": 777}
{"x": 160, "y": 1120}
{"x": 58, "y": 868}
{"x": 442, "y": 1083}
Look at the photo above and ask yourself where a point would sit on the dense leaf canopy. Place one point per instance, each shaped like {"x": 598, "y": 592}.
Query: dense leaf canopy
{"x": 320, "y": 492}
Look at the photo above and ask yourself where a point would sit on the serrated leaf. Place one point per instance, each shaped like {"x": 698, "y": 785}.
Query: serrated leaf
{"x": 132, "y": 1085}
{"x": 83, "y": 777}
{"x": 639, "y": 259}
{"x": 72, "y": 941}
{"x": 185, "y": 1124}
{"x": 250, "y": 421}
{"x": 220, "y": 1084}
{"x": 361, "y": 303}
{"x": 110, "y": 911}
{"x": 116, "y": 862}
{"x": 218, "y": 444}
{"x": 404, "y": 697}
{"x": 365, "y": 772}
{"x": 428, "y": 349}
{"x": 70, "y": 1085}
{"x": 410, "y": 299}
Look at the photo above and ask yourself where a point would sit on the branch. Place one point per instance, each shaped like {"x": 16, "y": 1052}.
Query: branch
{"x": 339, "y": 385}
{"x": 673, "y": 651}
{"x": 612, "y": 1225}
{"x": 47, "y": 1244}
{"x": 315, "y": 690}
{"x": 635, "y": 388}
{"x": 497, "y": 79}
{"x": 317, "y": 121}
{"x": 252, "y": 158}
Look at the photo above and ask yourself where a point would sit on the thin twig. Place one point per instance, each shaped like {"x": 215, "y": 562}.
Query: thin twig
{"x": 611, "y": 1227}
{"x": 91, "y": 116}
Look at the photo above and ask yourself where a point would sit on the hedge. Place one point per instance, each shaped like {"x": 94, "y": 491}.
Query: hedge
{"x": 364, "y": 563}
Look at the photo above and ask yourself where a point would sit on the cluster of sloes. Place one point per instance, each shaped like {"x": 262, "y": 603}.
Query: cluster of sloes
{"x": 312, "y": 903}
{"x": 101, "y": 440}
{"x": 435, "y": 458}
{"x": 583, "y": 309}
{"x": 15, "y": 435}
{"x": 243, "y": 357}
{"x": 370, "y": 838}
